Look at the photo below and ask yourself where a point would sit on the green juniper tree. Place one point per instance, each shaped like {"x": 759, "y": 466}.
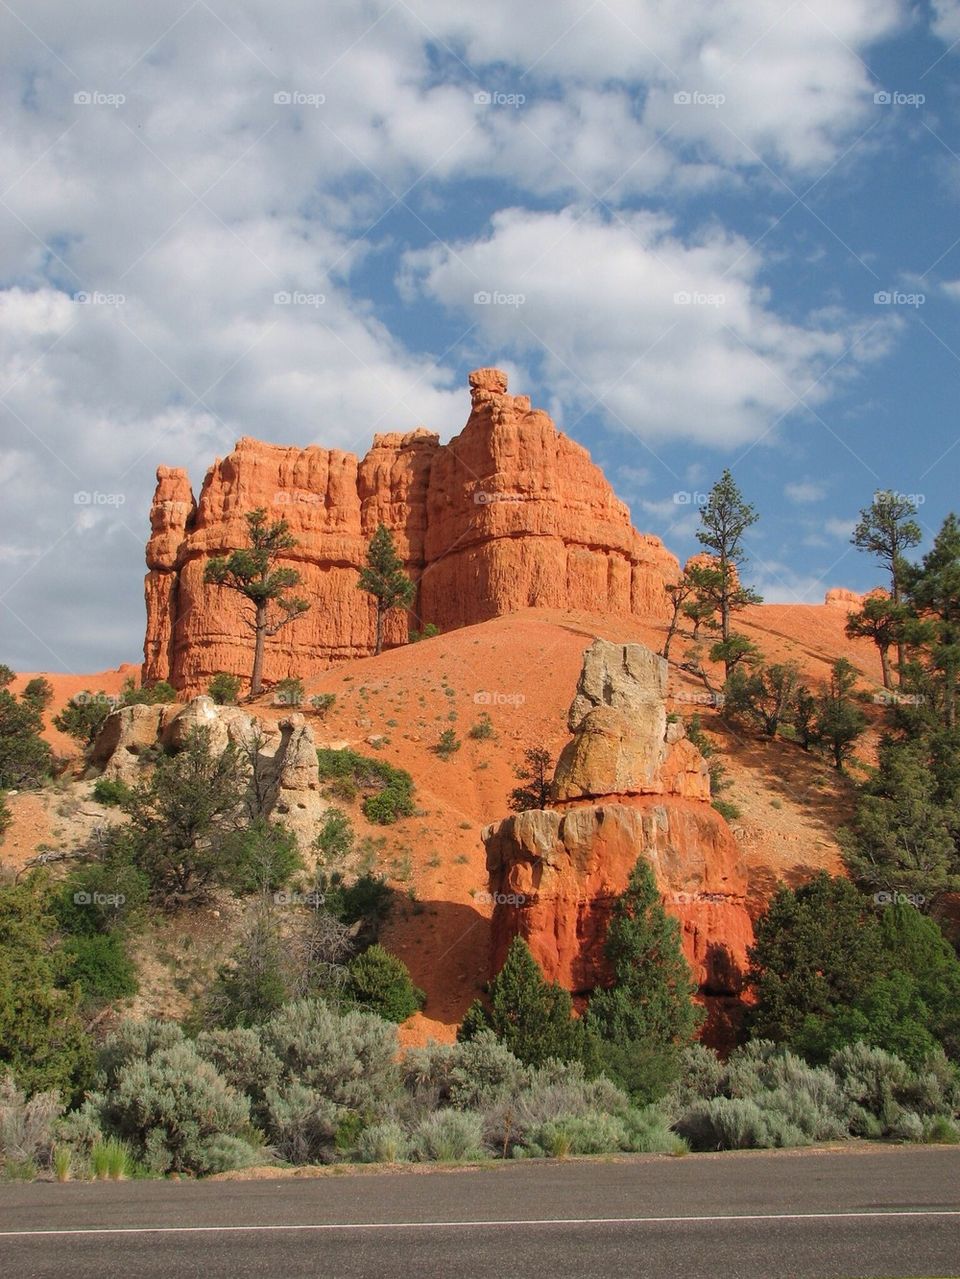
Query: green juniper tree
{"x": 883, "y": 621}
{"x": 254, "y": 573}
{"x": 637, "y": 1029}
{"x": 840, "y": 721}
{"x": 383, "y": 578}
{"x": 532, "y": 1016}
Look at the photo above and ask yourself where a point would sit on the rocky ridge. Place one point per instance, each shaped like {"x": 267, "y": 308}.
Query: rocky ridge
{"x": 510, "y": 514}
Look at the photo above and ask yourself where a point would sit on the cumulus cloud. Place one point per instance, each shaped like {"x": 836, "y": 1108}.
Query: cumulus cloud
{"x": 670, "y": 337}
{"x": 170, "y": 169}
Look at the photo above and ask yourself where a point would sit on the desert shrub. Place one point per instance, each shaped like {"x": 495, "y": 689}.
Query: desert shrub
{"x": 881, "y": 1090}
{"x": 702, "y": 1076}
{"x": 366, "y": 901}
{"x": 430, "y": 631}
{"x": 383, "y": 1143}
{"x": 467, "y": 1076}
{"x": 348, "y": 1057}
{"x": 111, "y": 791}
{"x": 448, "y": 744}
{"x": 301, "y": 1123}
{"x": 243, "y": 1061}
{"x": 649, "y": 1132}
{"x": 449, "y": 1135}
{"x": 83, "y": 716}
{"x": 260, "y": 858}
{"x": 225, "y": 689}
{"x": 380, "y": 983}
{"x": 255, "y": 979}
{"x": 483, "y": 729}
{"x": 148, "y": 695}
{"x": 322, "y": 703}
{"x": 289, "y": 691}
{"x": 388, "y": 791}
{"x": 79, "y": 1130}
{"x": 27, "y": 1127}
{"x": 725, "y": 1123}
{"x": 942, "y": 1131}
{"x": 99, "y": 964}
{"x": 174, "y": 1110}
{"x": 334, "y": 842}
{"x": 593, "y": 1133}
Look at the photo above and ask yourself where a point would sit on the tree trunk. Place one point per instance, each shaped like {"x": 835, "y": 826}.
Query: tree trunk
{"x": 379, "y": 644}
{"x": 901, "y": 647}
{"x": 260, "y": 634}
{"x": 885, "y": 665}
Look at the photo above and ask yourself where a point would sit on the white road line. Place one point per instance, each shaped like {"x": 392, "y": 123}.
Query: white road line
{"x": 475, "y": 1225}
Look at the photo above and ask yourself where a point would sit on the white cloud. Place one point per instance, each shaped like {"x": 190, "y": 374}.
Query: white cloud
{"x": 946, "y": 20}
{"x": 840, "y": 528}
{"x": 804, "y": 491}
{"x": 669, "y": 337}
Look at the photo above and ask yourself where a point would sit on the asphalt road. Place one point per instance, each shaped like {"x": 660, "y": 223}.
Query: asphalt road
{"x": 879, "y": 1212}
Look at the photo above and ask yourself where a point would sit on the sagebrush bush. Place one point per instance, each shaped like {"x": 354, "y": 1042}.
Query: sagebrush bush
{"x": 349, "y": 1058}
{"x": 726, "y": 1123}
{"x": 243, "y": 1060}
{"x": 449, "y": 1135}
{"x": 383, "y": 1143}
{"x": 592, "y": 1133}
{"x": 172, "y": 1107}
{"x": 301, "y": 1123}
{"x": 27, "y": 1127}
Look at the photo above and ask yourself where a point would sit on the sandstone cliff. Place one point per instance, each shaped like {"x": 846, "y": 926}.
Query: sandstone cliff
{"x": 628, "y": 785}
{"x": 510, "y": 514}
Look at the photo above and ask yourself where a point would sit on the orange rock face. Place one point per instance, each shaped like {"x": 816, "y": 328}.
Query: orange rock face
{"x": 509, "y": 514}
{"x": 629, "y": 785}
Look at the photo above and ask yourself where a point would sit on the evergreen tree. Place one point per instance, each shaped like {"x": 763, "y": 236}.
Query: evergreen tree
{"x": 839, "y": 720}
{"x": 723, "y": 522}
{"x": 532, "y": 1017}
{"x": 184, "y": 820}
{"x": 383, "y": 578}
{"x": 816, "y": 950}
{"x": 934, "y": 594}
{"x": 767, "y": 695}
{"x": 378, "y": 982}
{"x": 887, "y": 530}
{"x": 637, "y": 1029}
{"x": 882, "y": 621}
{"x": 25, "y": 758}
{"x": 41, "y": 1032}
{"x": 900, "y": 839}
{"x": 536, "y": 773}
{"x": 253, "y": 572}
{"x": 83, "y": 716}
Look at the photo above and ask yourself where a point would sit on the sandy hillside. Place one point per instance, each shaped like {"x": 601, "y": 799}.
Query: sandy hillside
{"x": 521, "y": 670}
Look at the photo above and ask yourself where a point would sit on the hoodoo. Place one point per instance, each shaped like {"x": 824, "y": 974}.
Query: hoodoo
{"x": 511, "y": 513}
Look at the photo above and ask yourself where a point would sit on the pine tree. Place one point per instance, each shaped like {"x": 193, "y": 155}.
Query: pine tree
{"x": 383, "y": 578}
{"x": 253, "y": 572}
{"x": 839, "y": 720}
{"x": 933, "y": 592}
{"x": 883, "y": 621}
{"x": 536, "y": 773}
{"x": 767, "y": 695}
{"x": 533, "y": 1017}
{"x": 25, "y": 758}
{"x": 723, "y": 522}
{"x": 637, "y": 1028}
{"x": 899, "y": 840}
{"x": 887, "y": 529}
{"x": 816, "y": 950}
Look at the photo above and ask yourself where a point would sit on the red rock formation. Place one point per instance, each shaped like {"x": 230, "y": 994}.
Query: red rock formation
{"x": 629, "y": 785}
{"x": 509, "y": 514}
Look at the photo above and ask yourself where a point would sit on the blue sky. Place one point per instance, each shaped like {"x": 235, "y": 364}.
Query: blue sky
{"x": 776, "y": 164}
